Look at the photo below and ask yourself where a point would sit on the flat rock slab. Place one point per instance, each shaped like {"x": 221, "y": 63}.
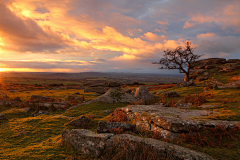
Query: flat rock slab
{"x": 160, "y": 110}
{"x": 175, "y": 120}
{"x": 91, "y": 143}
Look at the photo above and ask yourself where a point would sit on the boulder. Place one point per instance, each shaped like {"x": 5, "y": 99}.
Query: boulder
{"x": 229, "y": 87}
{"x": 171, "y": 94}
{"x": 90, "y": 143}
{"x": 205, "y": 74}
{"x": 142, "y": 93}
{"x": 209, "y": 66}
{"x": 105, "y": 127}
{"x": 26, "y": 109}
{"x": 99, "y": 90}
{"x": 196, "y": 71}
{"x": 115, "y": 96}
{"x": 79, "y": 120}
{"x": 233, "y": 61}
{"x": 3, "y": 116}
{"x": 201, "y": 78}
{"x": 39, "y": 113}
{"x": 114, "y": 84}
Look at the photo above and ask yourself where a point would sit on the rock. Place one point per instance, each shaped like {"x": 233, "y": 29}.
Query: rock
{"x": 209, "y": 66}
{"x": 91, "y": 143}
{"x": 143, "y": 94}
{"x": 207, "y": 106}
{"x": 99, "y": 90}
{"x": 183, "y": 105}
{"x": 3, "y": 116}
{"x": 105, "y": 127}
{"x": 171, "y": 94}
{"x": 114, "y": 84}
{"x": 116, "y": 96}
{"x": 7, "y": 102}
{"x": 127, "y": 91}
{"x": 77, "y": 93}
{"x": 87, "y": 142}
{"x": 108, "y": 111}
{"x": 196, "y": 71}
{"x": 233, "y": 61}
{"x": 186, "y": 84}
{"x": 175, "y": 120}
{"x": 200, "y": 78}
{"x": 80, "y": 120}
{"x": 26, "y": 109}
{"x": 215, "y": 81}
{"x": 70, "y": 87}
{"x": 39, "y": 113}
{"x": 143, "y": 126}
{"x": 205, "y": 74}
{"x": 229, "y": 87}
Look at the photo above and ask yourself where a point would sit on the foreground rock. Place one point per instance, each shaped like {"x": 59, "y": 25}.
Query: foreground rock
{"x": 79, "y": 120}
{"x": 3, "y": 116}
{"x": 171, "y": 122}
{"x": 90, "y": 143}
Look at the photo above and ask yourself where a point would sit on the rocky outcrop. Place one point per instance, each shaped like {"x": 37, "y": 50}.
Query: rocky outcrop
{"x": 40, "y": 113}
{"x": 171, "y": 122}
{"x": 116, "y": 96}
{"x": 90, "y": 143}
{"x": 102, "y": 88}
{"x": 200, "y": 70}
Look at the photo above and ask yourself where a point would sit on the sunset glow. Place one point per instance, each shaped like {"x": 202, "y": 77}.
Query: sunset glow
{"x": 119, "y": 36}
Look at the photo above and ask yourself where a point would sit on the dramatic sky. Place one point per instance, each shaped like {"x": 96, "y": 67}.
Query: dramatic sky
{"x": 112, "y": 35}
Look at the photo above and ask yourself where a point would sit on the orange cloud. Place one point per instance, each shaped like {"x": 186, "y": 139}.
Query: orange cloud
{"x": 206, "y": 35}
{"x": 162, "y": 23}
{"x": 188, "y": 25}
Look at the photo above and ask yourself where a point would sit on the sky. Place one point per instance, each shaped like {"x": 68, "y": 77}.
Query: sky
{"x": 113, "y": 35}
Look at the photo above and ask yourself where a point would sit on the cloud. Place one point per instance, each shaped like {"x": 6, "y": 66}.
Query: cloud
{"x": 153, "y": 37}
{"x": 188, "y": 25}
{"x": 162, "y": 23}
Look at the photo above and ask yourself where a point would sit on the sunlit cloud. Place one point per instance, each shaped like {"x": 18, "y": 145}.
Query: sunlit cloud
{"x": 75, "y": 35}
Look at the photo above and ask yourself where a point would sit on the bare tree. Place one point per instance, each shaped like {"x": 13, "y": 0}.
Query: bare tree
{"x": 179, "y": 58}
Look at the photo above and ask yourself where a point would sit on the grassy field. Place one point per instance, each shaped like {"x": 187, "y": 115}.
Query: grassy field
{"x": 25, "y": 137}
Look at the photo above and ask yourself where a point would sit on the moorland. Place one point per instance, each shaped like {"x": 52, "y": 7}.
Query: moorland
{"x": 37, "y": 107}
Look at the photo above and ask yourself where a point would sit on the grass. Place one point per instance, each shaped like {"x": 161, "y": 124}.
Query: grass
{"x": 43, "y": 133}
{"x": 26, "y": 137}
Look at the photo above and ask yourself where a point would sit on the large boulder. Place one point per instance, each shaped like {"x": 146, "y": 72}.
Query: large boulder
{"x": 90, "y": 143}
{"x": 117, "y": 95}
{"x": 142, "y": 93}
{"x": 105, "y": 127}
{"x": 201, "y": 78}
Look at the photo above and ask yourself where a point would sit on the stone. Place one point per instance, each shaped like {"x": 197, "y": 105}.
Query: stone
{"x": 171, "y": 94}
{"x": 229, "y": 87}
{"x": 196, "y": 71}
{"x": 175, "y": 120}
{"x": 127, "y": 91}
{"x": 105, "y": 127}
{"x": 39, "y": 113}
{"x": 142, "y": 93}
{"x": 233, "y": 61}
{"x": 209, "y": 66}
{"x": 108, "y": 111}
{"x": 86, "y": 141}
{"x": 99, "y": 90}
{"x": 143, "y": 126}
{"x": 116, "y": 96}
{"x": 114, "y": 84}
{"x": 201, "y": 78}
{"x": 3, "y": 116}
{"x": 90, "y": 143}
{"x": 205, "y": 74}
{"x": 26, "y": 109}
{"x": 79, "y": 120}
